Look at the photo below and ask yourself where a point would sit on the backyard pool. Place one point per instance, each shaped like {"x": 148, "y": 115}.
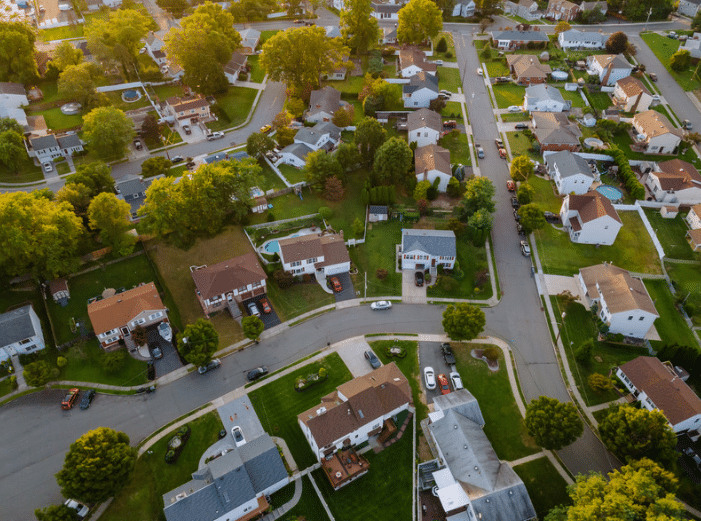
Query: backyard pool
{"x": 131, "y": 95}
{"x": 610, "y": 192}
{"x": 273, "y": 246}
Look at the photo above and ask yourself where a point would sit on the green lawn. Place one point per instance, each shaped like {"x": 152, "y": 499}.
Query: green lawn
{"x": 5, "y": 387}
{"x": 152, "y": 477}
{"x": 449, "y": 78}
{"x": 503, "y": 422}
{"x": 292, "y": 174}
{"x": 57, "y": 120}
{"x": 257, "y": 74}
{"x": 664, "y": 48}
{"x": 520, "y": 144}
{"x": 576, "y": 98}
{"x": 451, "y": 47}
{"x": 298, "y": 299}
{"x": 456, "y": 142}
{"x": 84, "y": 366}
{"x": 671, "y": 325}
{"x": 277, "y": 404}
{"x": 378, "y": 252}
{"x": 309, "y": 505}
{"x": 163, "y": 92}
{"x": 633, "y": 250}
{"x": 545, "y": 195}
{"x": 497, "y": 67}
{"x": 515, "y": 116}
{"x": 117, "y": 102}
{"x": 236, "y": 103}
{"x": 546, "y": 488}
{"x": 452, "y": 109}
{"x": 61, "y": 33}
{"x": 472, "y": 260}
{"x": 27, "y": 173}
{"x": 672, "y": 234}
{"x": 270, "y": 179}
{"x": 599, "y": 100}
{"x": 509, "y": 94}
{"x": 687, "y": 280}
{"x": 351, "y": 85}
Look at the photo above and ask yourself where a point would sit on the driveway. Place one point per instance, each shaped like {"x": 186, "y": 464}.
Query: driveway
{"x": 269, "y": 319}
{"x": 430, "y": 356}
{"x": 411, "y": 293}
{"x": 170, "y": 361}
{"x": 352, "y": 352}
{"x": 348, "y": 292}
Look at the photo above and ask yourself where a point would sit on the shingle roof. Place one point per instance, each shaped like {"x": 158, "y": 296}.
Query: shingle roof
{"x": 415, "y": 56}
{"x": 378, "y": 209}
{"x": 299, "y": 150}
{"x": 58, "y": 285}
{"x": 250, "y": 38}
{"x": 326, "y": 100}
{"x": 632, "y": 86}
{"x": 591, "y": 206}
{"x": 677, "y": 175}
{"x": 69, "y": 141}
{"x": 16, "y": 89}
{"x": 590, "y": 6}
{"x": 116, "y": 311}
{"x": 329, "y": 246}
{"x": 16, "y": 325}
{"x": 386, "y": 8}
{"x": 421, "y": 80}
{"x": 433, "y": 242}
{"x": 619, "y": 289}
{"x": 228, "y": 275}
{"x": 424, "y": 118}
{"x": 615, "y": 61}
{"x": 527, "y": 66}
{"x": 520, "y": 36}
{"x": 311, "y": 135}
{"x": 432, "y": 157}
{"x": 564, "y": 4}
{"x": 332, "y": 31}
{"x": 190, "y": 102}
{"x": 695, "y": 236}
{"x": 555, "y": 128}
{"x": 542, "y": 91}
{"x": 569, "y": 164}
{"x": 43, "y": 142}
{"x": 131, "y": 187}
{"x": 236, "y": 63}
{"x": 653, "y": 124}
{"x": 573, "y": 35}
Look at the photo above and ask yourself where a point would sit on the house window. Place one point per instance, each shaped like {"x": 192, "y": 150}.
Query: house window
{"x": 296, "y": 263}
{"x": 418, "y": 134}
{"x": 641, "y": 318}
{"x": 154, "y": 316}
{"x": 630, "y": 317}
{"x": 255, "y": 284}
{"x": 25, "y": 341}
{"x": 311, "y": 261}
{"x": 241, "y": 289}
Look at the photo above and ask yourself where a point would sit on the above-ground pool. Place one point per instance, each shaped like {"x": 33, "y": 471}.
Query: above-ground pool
{"x": 70, "y": 109}
{"x": 273, "y": 246}
{"x": 610, "y": 192}
{"x": 131, "y": 95}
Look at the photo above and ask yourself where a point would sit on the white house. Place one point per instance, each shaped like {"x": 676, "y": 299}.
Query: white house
{"x": 323, "y": 103}
{"x": 574, "y": 39}
{"x": 571, "y": 172}
{"x": 190, "y": 109}
{"x": 424, "y": 127}
{"x": 321, "y": 253}
{"x": 677, "y": 182}
{"x": 545, "y": 98}
{"x": 590, "y": 219}
{"x": 527, "y": 69}
{"x": 294, "y": 155}
{"x": 412, "y": 60}
{"x": 511, "y": 40}
{"x": 656, "y": 385}
{"x": 249, "y": 40}
{"x": 423, "y": 249}
{"x": 20, "y": 331}
{"x": 356, "y": 411}
{"x": 235, "y": 66}
{"x": 386, "y": 11}
{"x": 464, "y": 8}
{"x": 689, "y": 7}
{"x": 46, "y": 148}
{"x": 609, "y": 67}
{"x": 623, "y": 303}
{"x": 433, "y": 162}
{"x": 155, "y": 48}
{"x": 693, "y": 45}
{"x": 527, "y": 9}
{"x": 562, "y": 10}
{"x": 693, "y": 218}
{"x": 420, "y": 91}
{"x": 631, "y": 95}
{"x": 324, "y": 135}
{"x": 388, "y": 35}
{"x": 656, "y": 134}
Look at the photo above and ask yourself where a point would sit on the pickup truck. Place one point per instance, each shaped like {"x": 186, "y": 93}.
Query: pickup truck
{"x": 480, "y": 151}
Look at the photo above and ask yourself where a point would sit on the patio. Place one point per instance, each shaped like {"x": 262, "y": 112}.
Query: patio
{"x": 345, "y": 466}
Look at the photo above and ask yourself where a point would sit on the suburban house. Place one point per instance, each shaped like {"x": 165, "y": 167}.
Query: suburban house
{"x": 689, "y": 7}
{"x": 512, "y": 40}
{"x": 87, "y": 55}
{"x": 249, "y": 40}
{"x": 424, "y": 249}
{"x": 36, "y": 126}
{"x": 340, "y": 73}
{"x": 693, "y": 44}
{"x": 467, "y": 476}
{"x": 377, "y": 213}
{"x": 20, "y": 331}
{"x": 237, "y": 280}
{"x": 420, "y": 91}
{"x": 590, "y": 219}
{"x": 12, "y": 98}
{"x": 631, "y": 95}
{"x": 562, "y": 10}
{"x": 190, "y": 109}
{"x": 677, "y": 182}
{"x": 655, "y": 133}
{"x": 574, "y": 39}
{"x": 46, "y": 148}
{"x": 424, "y": 127}
{"x": 623, "y": 303}
{"x": 386, "y": 11}
{"x": 433, "y": 162}
{"x": 545, "y": 98}
{"x": 58, "y": 289}
{"x": 133, "y": 191}
{"x": 388, "y": 35}
{"x": 114, "y": 318}
{"x": 412, "y": 60}
{"x": 356, "y": 411}
{"x": 318, "y": 253}
{"x": 609, "y": 67}
{"x": 323, "y": 103}
{"x": 527, "y": 69}
{"x": 527, "y": 9}
{"x": 333, "y": 31}
{"x": 155, "y": 48}
{"x": 464, "y": 8}
{"x": 235, "y": 66}
{"x": 294, "y": 155}
{"x": 324, "y": 135}
{"x": 590, "y": 6}
{"x": 231, "y": 487}
{"x": 554, "y": 131}
{"x": 571, "y": 172}
{"x": 657, "y": 385}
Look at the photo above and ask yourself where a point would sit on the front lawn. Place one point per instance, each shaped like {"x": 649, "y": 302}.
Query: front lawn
{"x": 61, "y": 33}
{"x": 5, "y": 387}
{"x": 503, "y": 422}
{"x": 545, "y": 486}
{"x": 545, "y": 194}
{"x": 85, "y": 365}
{"x": 521, "y": 144}
{"x": 27, "y": 172}
{"x": 236, "y": 105}
{"x": 277, "y": 404}
{"x": 687, "y": 280}
{"x": 456, "y": 142}
{"x": 497, "y": 67}
{"x": 509, "y": 94}
{"x": 450, "y": 48}
{"x": 449, "y": 79}
{"x": 672, "y": 234}
{"x": 298, "y": 299}
{"x": 378, "y": 252}
{"x": 152, "y": 476}
{"x": 671, "y": 326}
{"x": 664, "y": 48}
{"x": 515, "y": 117}
{"x": 452, "y": 109}
{"x": 472, "y": 261}
{"x": 257, "y": 74}
{"x": 633, "y": 249}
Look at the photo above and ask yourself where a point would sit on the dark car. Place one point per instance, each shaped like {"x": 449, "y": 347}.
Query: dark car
{"x": 521, "y": 126}
{"x": 137, "y": 144}
{"x": 176, "y": 159}
{"x": 448, "y": 355}
{"x": 256, "y": 373}
{"x": 87, "y": 399}
{"x": 210, "y": 366}
{"x": 187, "y": 129}
{"x": 156, "y": 352}
{"x": 372, "y": 358}
{"x": 190, "y": 164}
{"x": 514, "y": 202}
{"x": 419, "y": 278}
{"x": 516, "y": 215}
{"x": 551, "y": 217}
{"x": 519, "y": 229}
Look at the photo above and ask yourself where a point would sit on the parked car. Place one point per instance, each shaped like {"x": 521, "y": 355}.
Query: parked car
{"x": 336, "y": 284}
{"x": 48, "y": 167}
{"x": 372, "y": 358}
{"x": 511, "y": 186}
{"x": 215, "y": 135}
{"x": 525, "y": 249}
{"x": 419, "y": 278}
{"x": 443, "y": 96}
{"x": 70, "y": 399}
{"x": 480, "y": 151}
{"x": 446, "y": 92}
{"x": 299, "y": 21}
{"x": 499, "y": 143}
{"x": 253, "y": 309}
{"x": 438, "y": 62}
{"x": 514, "y": 108}
{"x": 451, "y": 123}
{"x": 187, "y": 129}
{"x": 87, "y": 399}
{"x": 448, "y": 355}
{"x": 176, "y": 159}
{"x": 516, "y": 215}
{"x": 502, "y": 153}
{"x": 256, "y": 373}
{"x": 210, "y": 366}
{"x": 430, "y": 378}
{"x": 687, "y": 124}
{"x": 381, "y": 304}
{"x": 672, "y": 34}
{"x": 81, "y": 510}
{"x": 456, "y": 381}
{"x": 503, "y": 79}
{"x": 308, "y": 24}
{"x": 514, "y": 202}
{"x": 479, "y": 72}
{"x": 265, "y": 305}
{"x": 652, "y": 76}
{"x": 551, "y": 217}
{"x": 190, "y": 164}
{"x": 266, "y": 128}
{"x": 237, "y": 433}
{"x": 138, "y": 145}
{"x": 156, "y": 352}
{"x": 165, "y": 331}
{"x": 521, "y": 126}
{"x": 520, "y": 229}
{"x": 443, "y": 384}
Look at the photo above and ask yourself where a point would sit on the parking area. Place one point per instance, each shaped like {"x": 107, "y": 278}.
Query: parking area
{"x": 353, "y": 355}
{"x": 170, "y": 361}
{"x": 269, "y": 319}
{"x": 348, "y": 292}
{"x": 431, "y": 356}
{"x": 411, "y": 293}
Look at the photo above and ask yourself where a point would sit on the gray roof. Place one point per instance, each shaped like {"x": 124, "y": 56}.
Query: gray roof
{"x": 568, "y": 164}
{"x": 43, "y": 142}
{"x": 83, "y": 46}
{"x": 377, "y": 209}
{"x": 132, "y": 187}
{"x": 520, "y": 36}
{"x": 312, "y": 134}
{"x": 542, "y": 91}
{"x": 433, "y": 242}
{"x": 419, "y": 81}
{"x": 424, "y": 118}
{"x": 590, "y": 6}
{"x": 326, "y": 100}
{"x": 573, "y": 35}
{"x": 387, "y": 8}
{"x": 215, "y": 158}
{"x": 238, "y": 156}
{"x": 16, "y": 325}
{"x": 462, "y": 402}
{"x": 12, "y": 88}
{"x": 69, "y": 141}
{"x": 299, "y": 150}
{"x": 332, "y": 31}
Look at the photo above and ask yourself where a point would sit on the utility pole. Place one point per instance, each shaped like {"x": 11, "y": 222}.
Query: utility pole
{"x": 561, "y": 327}
{"x": 648, "y": 19}
{"x": 366, "y": 287}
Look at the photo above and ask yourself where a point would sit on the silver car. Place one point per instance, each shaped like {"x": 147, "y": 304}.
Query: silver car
{"x": 430, "y": 378}
{"x": 381, "y": 304}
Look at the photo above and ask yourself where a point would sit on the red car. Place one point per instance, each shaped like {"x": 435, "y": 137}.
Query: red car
{"x": 70, "y": 399}
{"x": 443, "y": 384}
{"x": 511, "y": 186}
{"x": 336, "y": 284}
{"x": 265, "y": 305}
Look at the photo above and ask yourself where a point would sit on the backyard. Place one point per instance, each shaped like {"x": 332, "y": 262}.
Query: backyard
{"x": 671, "y": 326}
{"x": 545, "y": 195}
{"x": 309, "y": 505}
{"x": 546, "y": 488}
{"x": 378, "y": 252}
{"x": 297, "y": 299}
{"x": 664, "y": 48}
{"x": 236, "y": 104}
{"x": 599, "y": 100}
{"x": 672, "y": 235}
{"x": 508, "y": 94}
{"x": 687, "y": 280}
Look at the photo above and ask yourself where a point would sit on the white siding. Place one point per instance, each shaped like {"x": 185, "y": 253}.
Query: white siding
{"x": 424, "y": 136}
{"x": 579, "y": 184}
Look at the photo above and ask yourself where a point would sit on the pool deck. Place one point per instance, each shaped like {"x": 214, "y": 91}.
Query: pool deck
{"x": 298, "y": 233}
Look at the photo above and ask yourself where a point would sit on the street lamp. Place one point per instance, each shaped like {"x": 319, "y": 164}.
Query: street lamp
{"x": 562, "y": 326}
{"x": 648, "y": 19}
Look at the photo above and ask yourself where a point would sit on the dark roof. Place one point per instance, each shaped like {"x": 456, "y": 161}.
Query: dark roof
{"x": 569, "y": 164}
{"x": 236, "y": 62}
{"x": 299, "y": 150}
{"x": 421, "y": 80}
{"x": 69, "y": 141}
{"x": 12, "y": 88}
{"x": 310, "y": 135}
{"x": 327, "y": 100}
{"x": 83, "y": 46}
{"x": 520, "y": 36}
{"x": 433, "y": 242}
{"x": 16, "y": 325}
{"x": 424, "y": 118}
{"x": 676, "y": 174}
{"x": 378, "y": 210}
{"x": 228, "y": 275}
{"x": 387, "y": 8}
{"x": 215, "y": 158}
{"x": 132, "y": 187}
{"x": 330, "y": 246}
{"x": 43, "y": 142}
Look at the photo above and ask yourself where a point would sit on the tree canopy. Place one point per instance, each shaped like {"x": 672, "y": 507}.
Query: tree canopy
{"x": 617, "y": 43}
{"x": 108, "y": 131}
{"x": 252, "y": 327}
{"x": 532, "y": 217}
{"x": 419, "y": 20}
{"x": 18, "y": 60}
{"x": 110, "y": 216}
{"x": 479, "y": 195}
{"x": 320, "y": 167}
{"x": 175, "y": 7}
{"x": 562, "y": 26}
{"x": 521, "y": 168}
{"x": 198, "y": 342}
{"x": 56, "y": 513}
{"x": 66, "y": 55}
{"x": 358, "y": 26}
{"x": 96, "y": 176}
{"x": 463, "y": 321}
{"x": 157, "y": 165}
{"x": 392, "y": 161}
{"x": 12, "y": 151}
{"x": 258, "y": 144}
{"x": 553, "y": 424}
{"x": 39, "y": 373}
{"x": 77, "y": 83}
{"x": 369, "y": 136}
{"x": 638, "y": 10}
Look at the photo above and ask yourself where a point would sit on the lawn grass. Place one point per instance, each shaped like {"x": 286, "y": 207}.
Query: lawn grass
{"x": 452, "y": 109}
{"x": 152, "y": 476}
{"x": 515, "y": 117}
{"x": 378, "y": 252}
{"x": 450, "y": 48}
{"x": 687, "y": 280}
{"x": 520, "y": 145}
{"x": 497, "y": 67}
{"x": 309, "y": 505}
{"x": 456, "y": 142}
{"x": 61, "y": 33}
{"x": 163, "y": 92}
{"x": 298, "y": 299}
{"x": 508, "y": 94}
{"x": 26, "y": 173}
{"x": 449, "y": 79}
{"x": 545, "y": 194}
{"x": 671, "y": 326}
{"x": 633, "y": 249}
{"x": 574, "y": 96}
{"x": 269, "y": 179}
{"x": 599, "y": 100}
{"x": 84, "y": 365}
{"x": 672, "y": 234}
{"x": 351, "y": 85}
{"x": 5, "y": 386}
{"x": 664, "y": 48}
{"x": 472, "y": 259}
{"x": 257, "y": 74}
{"x": 293, "y": 174}
{"x": 236, "y": 103}
{"x": 503, "y": 422}
{"x": 115, "y": 98}
{"x": 277, "y": 404}
{"x": 57, "y": 120}
{"x": 545, "y": 486}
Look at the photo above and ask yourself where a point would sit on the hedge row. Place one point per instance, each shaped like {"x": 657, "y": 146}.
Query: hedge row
{"x": 625, "y": 173}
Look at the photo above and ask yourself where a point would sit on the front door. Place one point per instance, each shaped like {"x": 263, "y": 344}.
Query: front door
{"x": 125, "y": 332}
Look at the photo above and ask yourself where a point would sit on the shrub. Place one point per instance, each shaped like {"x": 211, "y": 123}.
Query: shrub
{"x": 284, "y": 279}
{"x": 322, "y": 372}
{"x": 442, "y": 45}
{"x": 61, "y": 361}
{"x": 113, "y": 362}
{"x": 583, "y": 352}
{"x": 599, "y": 383}
{"x": 447, "y": 283}
{"x": 492, "y": 353}
{"x": 271, "y": 217}
{"x": 139, "y": 335}
{"x": 13, "y": 382}
{"x": 151, "y": 372}
{"x": 326, "y": 212}
{"x": 448, "y": 54}
{"x": 381, "y": 273}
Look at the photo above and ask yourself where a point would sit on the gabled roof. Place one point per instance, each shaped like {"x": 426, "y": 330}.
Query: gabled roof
{"x": 114, "y": 312}
{"x": 619, "y": 289}
{"x": 592, "y": 206}
{"x": 190, "y": 102}
{"x": 614, "y": 61}
{"x": 249, "y": 38}
{"x": 43, "y": 142}
{"x": 130, "y": 187}
{"x": 415, "y": 56}
{"x": 69, "y": 141}
{"x": 389, "y": 32}
{"x": 236, "y": 63}
{"x": 434, "y": 242}
{"x": 677, "y": 175}
{"x": 330, "y": 246}
{"x": 569, "y": 164}
{"x": 15, "y": 89}
{"x": 590, "y": 6}
{"x": 632, "y": 86}
{"x": 228, "y": 275}
{"x": 332, "y": 31}
{"x": 573, "y": 35}
{"x": 386, "y": 8}
{"x": 310, "y": 135}
{"x": 58, "y": 285}
{"x": 16, "y": 325}
{"x": 326, "y": 100}
{"x": 520, "y": 36}
{"x": 542, "y": 91}
{"x": 424, "y": 118}
{"x": 421, "y": 80}
{"x": 299, "y": 150}
{"x": 378, "y": 209}
{"x": 653, "y": 124}
{"x": 555, "y": 128}
{"x": 432, "y": 157}
{"x": 527, "y": 66}
{"x": 562, "y": 4}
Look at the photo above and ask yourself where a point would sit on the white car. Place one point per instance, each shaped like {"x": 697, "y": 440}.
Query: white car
{"x": 237, "y": 433}
{"x": 525, "y": 249}
{"x": 48, "y": 167}
{"x": 381, "y": 304}
{"x": 215, "y": 135}
{"x": 165, "y": 331}
{"x": 514, "y": 108}
{"x": 456, "y": 381}
{"x": 430, "y": 378}
{"x": 479, "y": 72}
{"x": 80, "y": 509}
{"x": 253, "y": 309}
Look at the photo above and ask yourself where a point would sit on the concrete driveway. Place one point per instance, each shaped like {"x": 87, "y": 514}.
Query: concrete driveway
{"x": 430, "y": 356}
{"x": 352, "y": 352}
{"x": 411, "y": 293}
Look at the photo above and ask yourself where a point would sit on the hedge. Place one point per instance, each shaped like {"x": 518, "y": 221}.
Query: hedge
{"x": 625, "y": 173}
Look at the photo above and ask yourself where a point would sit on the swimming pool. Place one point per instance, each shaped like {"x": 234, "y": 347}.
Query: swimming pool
{"x": 610, "y": 192}
{"x": 273, "y": 246}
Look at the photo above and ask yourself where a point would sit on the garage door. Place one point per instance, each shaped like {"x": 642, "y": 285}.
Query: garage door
{"x": 408, "y": 264}
{"x": 341, "y": 268}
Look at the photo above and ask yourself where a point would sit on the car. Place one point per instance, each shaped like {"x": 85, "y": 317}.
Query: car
{"x": 479, "y": 72}
{"x": 419, "y": 278}
{"x": 443, "y": 384}
{"x": 525, "y": 249}
{"x": 176, "y": 159}
{"x": 516, "y": 215}
{"x": 514, "y": 108}
{"x": 446, "y": 92}
{"x": 448, "y": 355}
{"x": 142, "y": 50}
{"x": 672, "y": 34}
{"x": 652, "y": 76}
{"x": 499, "y": 143}
{"x": 521, "y": 126}
{"x": 456, "y": 381}
{"x": 265, "y": 305}
{"x": 686, "y": 124}
{"x": 503, "y": 79}
{"x": 514, "y": 202}
{"x": 336, "y": 284}
{"x": 215, "y": 135}
{"x": 298, "y": 21}
{"x": 48, "y": 167}
{"x": 87, "y": 399}
{"x": 237, "y": 433}
{"x": 190, "y": 164}
{"x": 165, "y": 331}
{"x": 256, "y": 373}
{"x": 266, "y": 128}
{"x": 438, "y": 62}
{"x": 430, "y": 378}
{"x": 381, "y": 304}
{"x": 81, "y": 510}
{"x": 372, "y": 358}
{"x": 187, "y": 129}
{"x": 656, "y": 97}
{"x": 309, "y": 24}
{"x": 444, "y": 96}
{"x": 511, "y": 186}
{"x": 451, "y": 123}
{"x": 502, "y": 153}
{"x": 480, "y": 151}
{"x": 70, "y": 399}
{"x": 551, "y": 217}
{"x": 210, "y": 366}
{"x": 253, "y": 309}
{"x": 138, "y": 145}
{"x": 520, "y": 229}
{"x": 156, "y": 352}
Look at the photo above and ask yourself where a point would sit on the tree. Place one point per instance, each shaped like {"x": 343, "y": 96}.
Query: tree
{"x": 157, "y": 165}
{"x": 198, "y": 342}
{"x": 486, "y": 53}
{"x": 96, "y": 176}
{"x": 525, "y": 193}
{"x": 325, "y": 212}
{"x": 617, "y": 43}
{"x": 358, "y": 26}
{"x": 553, "y": 424}
{"x": 442, "y": 45}
{"x": 369, "y": 136}
{"x": 299, "y": 57}
{"x": 463, "y": 321}
{"x": 632, "y": 434}
{"x": 419, "y": 21}
{"x": 252, "y": 327}
{"x": 562, "y": 26}
{"x": 532, "y": 217}
{"x": 111, "y": 216}
{"x": 12, "y": 151}
{"x": 436, "y": 105}
{"x": 284, "y": 118}
{"x": 285, "y": 136}
{"x": 487, "y": 7}
{"x": 77, "y": 83}
{"x": 56, "y": 513}
{"x": 108, "y": 131}
{"x": 18, "y": 60}
{"x": 175, "y": 7}
{"x": 344, "y": 116}
{"x": 321, "y": 166}
{"x": 479, "y": 225}
{"x": 479, "y": 195}
{"x": 453, "y": 189}
{"x": 39, "y": 373}
{"x": 357, "y": 228}
{"x": 10, "y": 124}
{"x": 65, "y": 55}
{"x": 680, "y": 60}
{"x": 584, "y": 351}
{"x": 97, "y": 465}
{"x": 347, "y": 156}
{"x": 296, "y": 106}
{"x": 599, "y": 383}
{"x": 259, "y": 144}
{"x": 696, "y": 22}
{"x": 392, "y": 160}
{"x": 521, "y": 168}
{"x": 77, "y": 195}
{"x": 593, "y": 16}
{"x": 333, "y": 189}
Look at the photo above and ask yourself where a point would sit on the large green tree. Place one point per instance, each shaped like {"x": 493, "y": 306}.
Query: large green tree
{"x": 532, "y": 217}
{"x": 110, "y": 216}
{"x": 321, "y": 166}
{"x": 96, "y": 176}
{"x": 419, "y": 20}
{"x": 198, "y": 342}
{"x": 175, "y": 7}
{"x": 392, "y": 161}
{"x": 479, "y": 195}
{"x": 66, "y": 55}
{"x": 252, "y": 327}
{"x": 56, "y": 513}
{"x": 369, "y": 136}
{"x": 479, "y": 224}
{"x": 154, "y": 166}
{"x": 77, "y": 83}
{"x": 521, "y": 168}
{"x": 17, "y": 60}
{"x": 108, "y": 131}
{"x": 463, "y": 321}
{"x": 39, "y": 373}
{"x": 97, "y": 465}
{"x": 258, "y": 144}
{"x": 680, "y": 60}
{"x": 552, "y": 423}
{"x": 77, "y": 195}
{"x": 617, "y": 43}
{"x": 358, "y": 26}
{"x": 12, "y": 151}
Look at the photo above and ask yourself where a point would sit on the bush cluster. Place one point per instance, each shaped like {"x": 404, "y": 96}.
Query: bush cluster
{"x": 625, "y": 173}
{"x": 176, "y": 444}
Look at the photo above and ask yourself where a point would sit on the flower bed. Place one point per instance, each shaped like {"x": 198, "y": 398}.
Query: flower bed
{"x": 176, "y": 444}
{"x": 304, "y": 383}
